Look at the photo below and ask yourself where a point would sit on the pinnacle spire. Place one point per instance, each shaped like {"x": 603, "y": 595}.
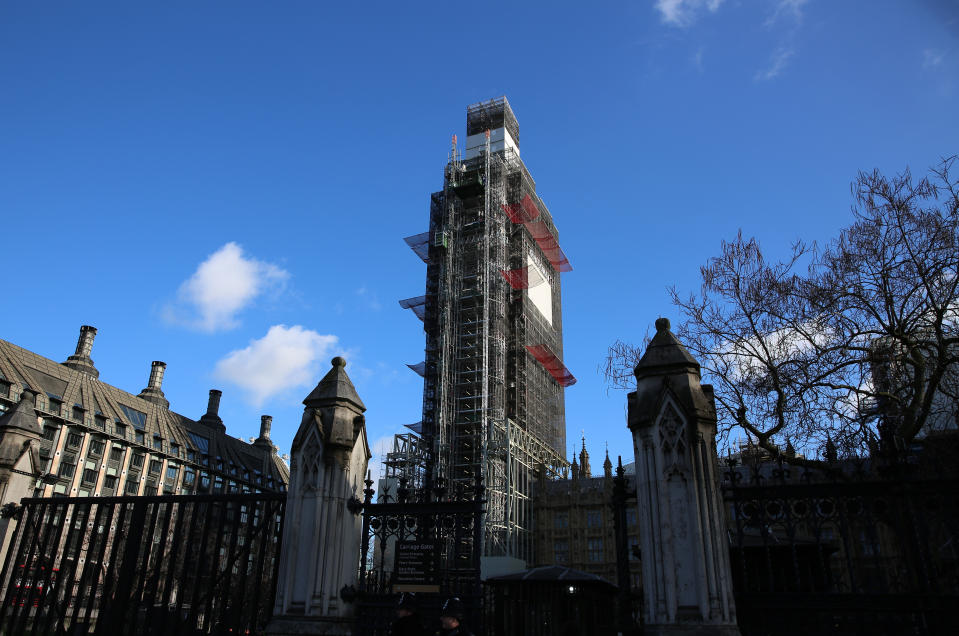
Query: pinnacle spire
{"x": 335, "y": 385}
{"x": 665, "y": 354}
{"x": 584, "y": 467}
{"x": 22, "y": 416}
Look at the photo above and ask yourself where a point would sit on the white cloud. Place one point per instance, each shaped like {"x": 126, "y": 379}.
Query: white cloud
{"x": 786, "y": 9}
{"x": 698, "y": 59}
{"x": 285, "y": 358}
{"x": 369, "y": 298}
{"x": 224, "y": 284}
{"x": 777, "y": 63}
{"x": 931, "y": 58}
{"x": 684, "y": 12}
{"x": 787, "y": 14}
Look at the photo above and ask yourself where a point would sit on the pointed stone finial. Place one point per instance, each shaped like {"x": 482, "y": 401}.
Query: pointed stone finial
{"x": 665, "y": 354}
{"x": 335, "y": 411}
{"x": 23, "y": 416}
{"x": 607, "y": 465}
{"x": 831, "y": 452}
{"x": 584, "y": 467}
{"x": 335, "y": 386}
{"x": 667, "y": 364}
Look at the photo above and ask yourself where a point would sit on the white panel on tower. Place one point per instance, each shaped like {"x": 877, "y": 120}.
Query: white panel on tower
{"x": 539, "y": 290}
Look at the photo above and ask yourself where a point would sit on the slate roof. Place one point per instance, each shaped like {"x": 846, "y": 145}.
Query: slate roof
{"x": 56, "y": 382}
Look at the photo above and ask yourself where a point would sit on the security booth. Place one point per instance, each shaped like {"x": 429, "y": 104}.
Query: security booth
{"x": 550, "y": 601}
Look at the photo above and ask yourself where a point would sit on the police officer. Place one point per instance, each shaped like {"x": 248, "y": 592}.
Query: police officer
{"x": 407, "y": 621}
{"x": 451, "y": 619}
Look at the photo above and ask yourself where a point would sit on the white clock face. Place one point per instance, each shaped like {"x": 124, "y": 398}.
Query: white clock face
{"x": 539, "y": 290}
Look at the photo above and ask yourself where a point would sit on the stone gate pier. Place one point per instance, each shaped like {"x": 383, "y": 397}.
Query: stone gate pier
{"x": 687, "y": 584}
{"x": 322, "y": 532}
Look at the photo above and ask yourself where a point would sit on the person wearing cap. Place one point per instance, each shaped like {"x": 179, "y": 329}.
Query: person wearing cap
{"x": 451, "y": 619}
{"x": 407, "y": 621}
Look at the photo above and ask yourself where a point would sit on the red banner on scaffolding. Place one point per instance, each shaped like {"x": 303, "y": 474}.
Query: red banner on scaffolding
{"x": 552, "y": 364}
{"x": 527, "y": 213}
{"x": 547, "y": 242}
{"x": 517, "y": 278}
{"x": 522, "y": 278}
{"x": 522, "y": 212}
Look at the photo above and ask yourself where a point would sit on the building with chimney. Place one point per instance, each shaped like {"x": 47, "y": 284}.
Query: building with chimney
{"x": 494, "y": 380}
{"x": 65, "y": 432}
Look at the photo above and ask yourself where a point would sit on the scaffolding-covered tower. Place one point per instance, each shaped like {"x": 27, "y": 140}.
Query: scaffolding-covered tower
{"x": 493, "y": 371}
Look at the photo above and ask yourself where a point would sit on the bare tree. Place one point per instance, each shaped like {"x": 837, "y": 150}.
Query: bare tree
{"x": 853, "y": 346}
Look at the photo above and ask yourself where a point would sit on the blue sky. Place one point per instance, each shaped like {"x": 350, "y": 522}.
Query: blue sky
{"x": 225, "y": 186}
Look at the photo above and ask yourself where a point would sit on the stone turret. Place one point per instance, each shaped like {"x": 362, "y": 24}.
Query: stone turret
{"x": 607, "y": 466}
{"x": 687, "y": 585}
{"x": 321, "y": 534}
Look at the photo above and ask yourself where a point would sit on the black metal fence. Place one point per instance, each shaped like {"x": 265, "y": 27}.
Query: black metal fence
{"x": 862, "y": 548}
{"x": 426, "y": 541}
{"x": 202, "y": 564}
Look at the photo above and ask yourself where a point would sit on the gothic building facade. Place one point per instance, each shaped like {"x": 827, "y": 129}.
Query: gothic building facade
{"x": 64, "y": 432}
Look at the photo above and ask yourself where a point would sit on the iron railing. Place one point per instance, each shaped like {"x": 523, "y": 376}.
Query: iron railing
{"x": 203, "y": 564}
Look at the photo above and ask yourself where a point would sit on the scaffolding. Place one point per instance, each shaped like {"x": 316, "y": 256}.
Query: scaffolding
{"x": 489, "y": 403}
{"x": 407, "y": 459}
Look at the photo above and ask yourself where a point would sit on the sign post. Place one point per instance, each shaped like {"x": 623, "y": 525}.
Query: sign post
{"x": 415, "y": 569}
